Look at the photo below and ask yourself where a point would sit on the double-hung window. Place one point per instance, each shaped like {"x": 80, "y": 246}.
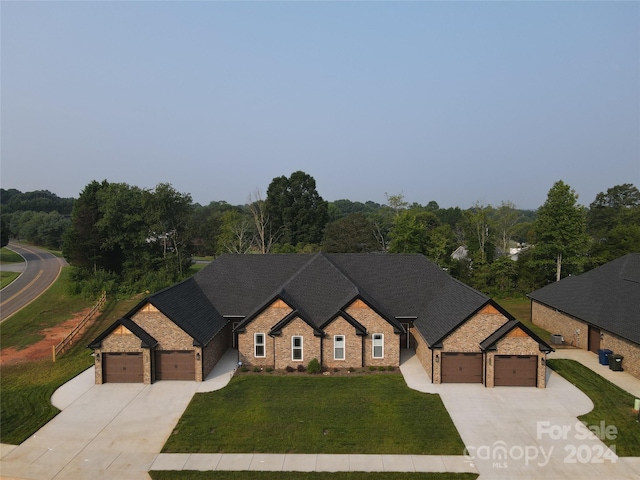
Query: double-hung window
{"x": 338, "y": 347}
{"x": 378, "y": 345}
{"x": 296, "y": 348}
{"x": 258, "y": 345}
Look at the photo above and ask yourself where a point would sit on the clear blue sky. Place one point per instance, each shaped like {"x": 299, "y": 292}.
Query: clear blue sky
{"x": 455, "y": 102}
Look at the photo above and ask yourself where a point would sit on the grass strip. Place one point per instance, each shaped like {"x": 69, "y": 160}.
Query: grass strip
{"x": 612, "y": 405}
{"x": 9, "y": 256}
{"x": 7, "y": 277}
{"x": 194, "y": 475}
{"x": 26, "y": 388}
{"x": 316, "y": 414}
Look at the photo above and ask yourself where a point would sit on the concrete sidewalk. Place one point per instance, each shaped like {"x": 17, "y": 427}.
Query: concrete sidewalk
{"x": 313, "y": 462}
{"x": 623, "y": 379}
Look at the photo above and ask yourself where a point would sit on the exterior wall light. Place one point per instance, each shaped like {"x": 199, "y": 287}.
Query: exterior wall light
{"x": 198, "y": 356}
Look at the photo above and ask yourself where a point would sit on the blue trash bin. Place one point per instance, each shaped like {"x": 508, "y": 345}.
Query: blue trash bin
{"x": 603, "y": 356}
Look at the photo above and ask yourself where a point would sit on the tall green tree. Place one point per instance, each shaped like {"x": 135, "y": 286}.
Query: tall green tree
{"x": 296, "y": 209}
{"x": 353, "y": 233}
{"x": 613, "y": 221}
{"x": 560, "y": 229}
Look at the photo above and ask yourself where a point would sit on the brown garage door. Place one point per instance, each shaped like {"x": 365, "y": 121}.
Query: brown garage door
{"x": 516, "y": 370}
{"x": 175, "y": 365}
{"x": 461, "y": 367}
{"x": 122, "y": 368}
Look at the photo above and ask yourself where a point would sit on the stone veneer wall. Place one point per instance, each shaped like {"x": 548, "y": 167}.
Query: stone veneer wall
{"x": 423, "y": 352}
{"x": 167, "y": 333}
{"x": 352, "y": 349}
{"x": 283, "y": 345}
{"x": 467, "y": 337}
{"x": 630, "y": 352}
{"x": 516, "y": 345}
{"x": 261, "y": 324}
{"x": 574, "y": 331}
{"x": 374, "y": 323}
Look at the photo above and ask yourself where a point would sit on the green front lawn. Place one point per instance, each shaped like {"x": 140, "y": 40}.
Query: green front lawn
{"x": 316, "y": 414}
{"x": 611, "y": 405}
{"x": 193, "y": 475}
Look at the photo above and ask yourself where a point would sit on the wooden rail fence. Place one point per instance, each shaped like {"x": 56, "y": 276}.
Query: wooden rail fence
{"x": 66, "y": 341}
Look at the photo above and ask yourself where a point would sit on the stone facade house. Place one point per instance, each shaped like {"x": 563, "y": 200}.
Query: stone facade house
{"x": 344, "y": 310}
{"x": 599, "y": 309}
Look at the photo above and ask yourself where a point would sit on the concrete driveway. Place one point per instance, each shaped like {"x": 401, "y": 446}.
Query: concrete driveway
{"x": 523, "y": 432}
{"x": 107, "y": 431}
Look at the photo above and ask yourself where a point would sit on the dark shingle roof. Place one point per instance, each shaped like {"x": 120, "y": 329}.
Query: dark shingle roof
{"x": 607, "y": 297}
{"x": 188, "y": 307}
{"x": 320, "y": 285}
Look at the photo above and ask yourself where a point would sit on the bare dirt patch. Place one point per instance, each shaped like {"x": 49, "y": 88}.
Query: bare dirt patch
{"x": 42, "y": 349}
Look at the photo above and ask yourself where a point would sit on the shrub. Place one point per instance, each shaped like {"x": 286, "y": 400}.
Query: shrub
{"x": 302, "y": 368}
{"x": 351, "y": 369}
{"x": 314, "y": 366}
{"x": 391, "y": 368}
{"x": 244, "y": 369}
{"x": 257, "y": 369}
{"x": 269, "y": 369}
{"x": 382, "y": 369}
{"x": 290, "y": 369}
{"x": 336, "y": 369}
{"x": 372, "y": 368}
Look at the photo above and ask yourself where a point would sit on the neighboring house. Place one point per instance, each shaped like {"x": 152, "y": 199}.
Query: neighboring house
{"x": 345, "y": 310}
{"x": 599, "y": 309}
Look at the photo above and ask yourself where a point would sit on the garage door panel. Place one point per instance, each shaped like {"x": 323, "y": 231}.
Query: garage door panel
{"x": 461, "y": 367}
{"x": 122, "y": 367}
{"x": 516, "y": 370}
{"x": 175, "y": 365}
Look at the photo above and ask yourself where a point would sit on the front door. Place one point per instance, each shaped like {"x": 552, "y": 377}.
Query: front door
{"x": 405, "y": 338}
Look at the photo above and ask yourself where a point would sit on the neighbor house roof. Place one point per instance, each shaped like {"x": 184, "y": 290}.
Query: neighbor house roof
{"x": 607, "y": 297}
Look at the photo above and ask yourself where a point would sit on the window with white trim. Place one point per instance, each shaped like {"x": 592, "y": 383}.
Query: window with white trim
{"x": 338, "y": 347}
{"x": 378, "y": 345}
{"x": 258, "y": 345}
{"x": 296, "y": 348}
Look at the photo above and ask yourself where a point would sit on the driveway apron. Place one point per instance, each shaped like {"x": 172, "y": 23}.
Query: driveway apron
{"x": 524, "y": 432}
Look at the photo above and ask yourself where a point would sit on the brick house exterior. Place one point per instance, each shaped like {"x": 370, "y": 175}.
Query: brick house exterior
{"x": 599, "y": 309}
{"x": 344, "y": 310}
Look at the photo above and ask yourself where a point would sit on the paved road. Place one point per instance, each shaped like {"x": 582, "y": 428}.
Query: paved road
{"x": 42, "y": 269}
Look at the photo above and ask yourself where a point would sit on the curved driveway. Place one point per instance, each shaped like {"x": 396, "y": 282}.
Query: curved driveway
{"x": 42, "y": 269}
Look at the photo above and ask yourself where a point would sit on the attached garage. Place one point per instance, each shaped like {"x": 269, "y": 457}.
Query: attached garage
{"x": 122, "y": 367}
{"x": 175, "y": 365}
{"x": 461, "y": 367}
{"x": 516, "y": 370}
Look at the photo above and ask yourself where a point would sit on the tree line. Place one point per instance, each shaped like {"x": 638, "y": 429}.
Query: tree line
{"x": 127, "y": 238}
